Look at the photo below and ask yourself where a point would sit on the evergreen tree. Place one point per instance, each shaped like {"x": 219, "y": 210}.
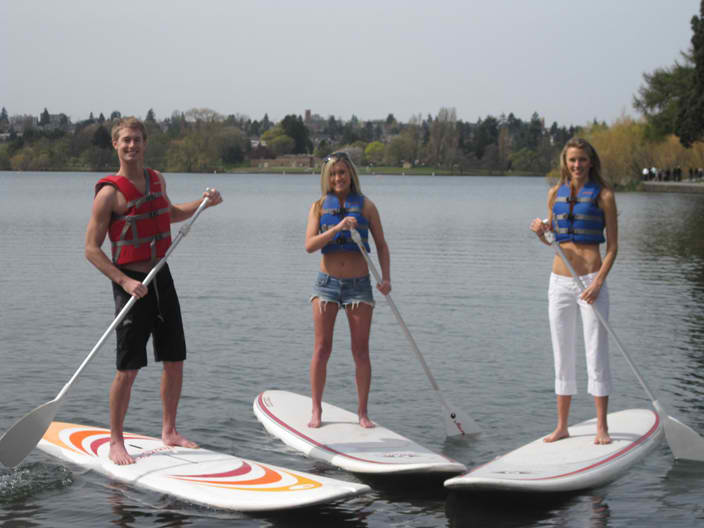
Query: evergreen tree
{"x": 44, "y": 118}
{"x": 101, "y": 138}
{"x": 689, "y": 125}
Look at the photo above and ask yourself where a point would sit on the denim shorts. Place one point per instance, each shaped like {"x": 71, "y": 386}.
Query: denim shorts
{"x": 343, "y": 292}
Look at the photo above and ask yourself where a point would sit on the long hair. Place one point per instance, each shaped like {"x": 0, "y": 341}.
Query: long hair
{"x": 594, "y": 171}
{"x": 326, "y": 167}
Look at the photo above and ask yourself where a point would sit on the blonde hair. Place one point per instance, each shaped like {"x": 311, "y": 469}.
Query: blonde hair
{"x": 326, "y": 167}
{"x": 594, "y": 171}
{"x": 128, "y": 122}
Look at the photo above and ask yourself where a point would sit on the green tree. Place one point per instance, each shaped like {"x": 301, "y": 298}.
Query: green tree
{"x": 44, "y": 118}
{"x": 689, "y": 125}
{"x": 374, "y": 152}
{"x": 282, "y": 144}
{"x": 294, "y": 128}
{"x": 661, "y": 97}
{"x": 101, "y": 138}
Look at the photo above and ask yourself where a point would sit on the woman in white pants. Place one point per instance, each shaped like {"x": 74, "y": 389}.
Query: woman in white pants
{"x": 580, "y": 208}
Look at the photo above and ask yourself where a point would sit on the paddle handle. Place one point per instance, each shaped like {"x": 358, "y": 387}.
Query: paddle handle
{"x": 550, "y": 237}
{"x": 182, "y": 232}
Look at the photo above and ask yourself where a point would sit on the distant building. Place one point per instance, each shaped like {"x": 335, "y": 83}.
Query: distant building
{"x": 305, "y": 161}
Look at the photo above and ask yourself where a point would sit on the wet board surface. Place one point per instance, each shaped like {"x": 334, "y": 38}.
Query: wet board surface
{"x": 342, "y": 442}
{"x": 195, "y": 475}
{"x": 572, "y": 463}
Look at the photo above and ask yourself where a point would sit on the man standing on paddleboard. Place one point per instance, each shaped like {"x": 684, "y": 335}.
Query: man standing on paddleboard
{"x": 133, "y": 208}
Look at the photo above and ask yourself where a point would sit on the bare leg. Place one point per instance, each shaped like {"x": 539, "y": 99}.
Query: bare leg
{"x": 324, "y": 314}
{"x": 120, "y": 392}
{"x": 563, "y": 413}
{"x": 602, "y": 428}
{"x": 171, "y": 382}
{"x": 360, "y": 319}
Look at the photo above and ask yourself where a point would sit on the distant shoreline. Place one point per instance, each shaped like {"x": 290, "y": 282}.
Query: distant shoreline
{"x": 362, "y": 171}
{"x": 673, "y": 187}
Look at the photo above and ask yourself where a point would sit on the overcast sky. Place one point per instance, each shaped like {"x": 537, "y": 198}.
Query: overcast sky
{"x": 568, "y": 61}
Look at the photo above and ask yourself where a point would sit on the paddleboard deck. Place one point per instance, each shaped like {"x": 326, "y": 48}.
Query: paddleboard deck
{"x": 342, "y": 442}
{"x": 573, "y": 463}
{"x": 195, "y": 475}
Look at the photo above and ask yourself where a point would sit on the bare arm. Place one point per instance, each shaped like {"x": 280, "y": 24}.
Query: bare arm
{"x": 316, "y": 240}
{"x": 183, "y": 211}
{"x": 537, "y": 224}
{"x": 103, "y": 206}
{"x": 607, "y": 203}
{"x": 382, "y": 248}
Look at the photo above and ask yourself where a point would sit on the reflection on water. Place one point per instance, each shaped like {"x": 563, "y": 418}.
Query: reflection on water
{"x": 509, "y": 510}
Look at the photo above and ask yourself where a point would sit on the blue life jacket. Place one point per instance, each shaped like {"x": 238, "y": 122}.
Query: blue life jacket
{"x": 332, "y": 214}
{"x": 580, "y": 219}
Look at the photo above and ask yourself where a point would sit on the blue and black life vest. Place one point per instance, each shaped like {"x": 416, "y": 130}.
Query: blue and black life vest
{"x": 332, "y": 214}
{"x": 578, "y": 219}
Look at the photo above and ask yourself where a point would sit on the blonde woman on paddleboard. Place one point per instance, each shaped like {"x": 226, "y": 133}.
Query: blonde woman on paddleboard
{"x": 580, "y": 208}
{"x": 343, "y": 280}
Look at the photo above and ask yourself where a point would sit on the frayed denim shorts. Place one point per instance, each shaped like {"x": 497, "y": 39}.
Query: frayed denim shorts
{"x": 343, "y": 292}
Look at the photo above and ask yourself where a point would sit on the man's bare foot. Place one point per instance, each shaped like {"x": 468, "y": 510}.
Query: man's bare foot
{"x": 119, "y": 455}
{"x": 315, "y": 420}
{"x": 557, "y": 434}
{"x": 602, "y": 438}
{"x": 365, "y": 422}
{"x": 175, "y": 439}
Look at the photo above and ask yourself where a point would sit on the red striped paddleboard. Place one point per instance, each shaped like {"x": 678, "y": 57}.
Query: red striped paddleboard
{"x": 573, "y": 463}
{"x": 195, "y": 475}
{"x": 342, "y": 442}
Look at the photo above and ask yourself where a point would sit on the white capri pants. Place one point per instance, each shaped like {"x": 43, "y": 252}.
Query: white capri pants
{"x": 563, "y": 305}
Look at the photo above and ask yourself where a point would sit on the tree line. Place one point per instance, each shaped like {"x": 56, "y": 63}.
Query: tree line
{"x": 202, "y": 140}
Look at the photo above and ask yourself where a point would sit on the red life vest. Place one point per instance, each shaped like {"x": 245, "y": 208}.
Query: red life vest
{"x": 144, "y": 231}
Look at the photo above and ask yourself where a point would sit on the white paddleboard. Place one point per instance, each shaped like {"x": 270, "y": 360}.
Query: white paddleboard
{"x": 342, "y": 442}
{"x": 195, "y": 475}
{"x": 573, "y": 463}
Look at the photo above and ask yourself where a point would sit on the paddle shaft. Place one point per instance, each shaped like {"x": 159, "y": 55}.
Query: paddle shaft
{"x": 397, "y": 314}
{"x": 125, "y": 310}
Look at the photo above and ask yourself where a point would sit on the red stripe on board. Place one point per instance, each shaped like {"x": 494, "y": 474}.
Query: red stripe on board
{"x": 307, "y": 438}
{"x": 615, "y": 455}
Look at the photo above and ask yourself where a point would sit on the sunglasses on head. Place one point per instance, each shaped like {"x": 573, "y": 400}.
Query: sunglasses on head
{"x": 336, "y": 156}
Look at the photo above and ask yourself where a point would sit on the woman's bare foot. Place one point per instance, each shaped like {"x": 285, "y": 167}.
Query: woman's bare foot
{"x": 175, "y": 439}
{"x": 602, "y": 438}
{"x": 365, "y": 422}
{"x": 316, "y": 419}
{"x": 119, "y": 455}
{"x": 557, "y": 434}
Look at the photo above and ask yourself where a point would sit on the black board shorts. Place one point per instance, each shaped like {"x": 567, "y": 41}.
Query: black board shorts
{"x": 158, "y": 315}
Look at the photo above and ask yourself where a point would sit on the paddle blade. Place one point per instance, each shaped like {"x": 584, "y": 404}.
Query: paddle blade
{"x": 684, "y": 442}
{"x": 458, "y": 423}
{"x": 24, "y": 435}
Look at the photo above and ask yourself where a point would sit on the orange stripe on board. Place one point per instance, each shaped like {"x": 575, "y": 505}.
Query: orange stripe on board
{"x": 269, "y": 477}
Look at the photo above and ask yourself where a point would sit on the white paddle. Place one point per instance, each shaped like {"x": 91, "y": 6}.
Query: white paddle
{"x": 456, "y": 422}
{"x": 684, "y": 442}
{"x": 24, "y": 435}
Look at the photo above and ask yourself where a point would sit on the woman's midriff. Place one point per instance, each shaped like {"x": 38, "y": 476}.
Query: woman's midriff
{"x": 344, "y": 264}
{"x": 585, "y": 259}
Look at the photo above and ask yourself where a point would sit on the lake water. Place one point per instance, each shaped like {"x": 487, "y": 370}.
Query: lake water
{"x": 470, "y": 280}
